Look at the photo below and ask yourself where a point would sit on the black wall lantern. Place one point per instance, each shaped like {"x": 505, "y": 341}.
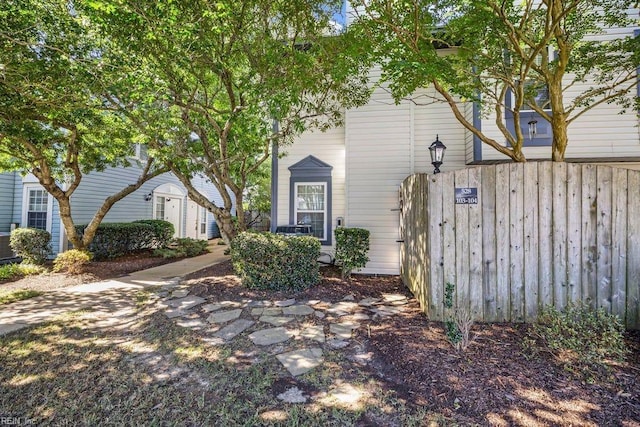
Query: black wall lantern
{"x": 437, "y": 150}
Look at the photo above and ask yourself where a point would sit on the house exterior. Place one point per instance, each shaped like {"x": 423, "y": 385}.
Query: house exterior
{"x": 350, "y": 175}
{"x": 25, "y": 203}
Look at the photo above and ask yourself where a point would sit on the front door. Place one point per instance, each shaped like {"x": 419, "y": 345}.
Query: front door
{"x": 169, "y": 208}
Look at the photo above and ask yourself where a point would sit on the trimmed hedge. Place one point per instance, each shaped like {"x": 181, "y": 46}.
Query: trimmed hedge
{"x": 119, "y": 238}
{"x": 352, "y": 246}
{"x": 31, "y": 244}
{"x": 275, "y": 262}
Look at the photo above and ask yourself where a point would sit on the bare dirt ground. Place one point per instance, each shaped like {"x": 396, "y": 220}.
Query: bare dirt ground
{"x": 491, "y": 383}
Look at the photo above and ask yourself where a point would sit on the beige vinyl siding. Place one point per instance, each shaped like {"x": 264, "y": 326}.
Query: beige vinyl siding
{"x": 326, "y": 146}
{"x": 386, "y": 142}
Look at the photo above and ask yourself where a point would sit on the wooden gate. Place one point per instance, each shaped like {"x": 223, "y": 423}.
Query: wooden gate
{"x": 541, "y": 233}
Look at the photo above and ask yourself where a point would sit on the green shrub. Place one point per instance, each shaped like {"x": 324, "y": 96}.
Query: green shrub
{"x": 580, "y": 338}
{"x": 31, "y": 244}
{"x": 19, "y": 295}
{"x": 271, "y": 261}
{"x": 72, "y": 261}
{"x": 12, "y": 271}
{"x": 183, "y": 247}
{"x": 162, "y": 232}
{"x": 352, "y": 246}
{"x": 119, "y": 238}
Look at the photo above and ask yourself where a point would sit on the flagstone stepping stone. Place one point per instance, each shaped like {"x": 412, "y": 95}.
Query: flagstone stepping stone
{"x": 387, "y": 310}
{"x": 393, "y": 297}
{"x": 315, "y": 333}
{"x": 349, "y": 298}
{"x": 337, "y": 343}
{"x": 299, "y": 362}
{"x": 343, "y": 307}
{"x": 297, "y": 310}
{"x": 368, "y": 302}
{"x": 319, "y": 314}
{"x": 224, "y": 316}
{"x": 186, "y": 303}
{"x": 257, "y": 311}
{"x": 258, "y": 304}
{"x": 285, "y": 303}
{"x": 172, "y": 313}
{"x": 270, "y": 336}
{"x": 343, "y": 330}
{"x": 293, "y": 395}
{"x": 356, "y": 317}
{"x": 211, "y": 307}
{"x": 234, "y": 329}
{"x": 231, "y": 304}
{"x": 180, "y": 293}
{"x": 271, "y": 311}
{"x": 195, "y": 324}
{"x": 275, "y": 320}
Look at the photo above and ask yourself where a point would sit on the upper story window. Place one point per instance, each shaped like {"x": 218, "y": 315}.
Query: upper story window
{"x": 140, "y": 152}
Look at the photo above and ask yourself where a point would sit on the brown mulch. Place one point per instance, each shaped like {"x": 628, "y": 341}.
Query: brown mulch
{"x": 93, "y": 272}
{"x": 491, "y": 383}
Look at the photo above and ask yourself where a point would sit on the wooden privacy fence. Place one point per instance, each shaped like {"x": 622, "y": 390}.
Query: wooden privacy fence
{"x": 539, "y": 234}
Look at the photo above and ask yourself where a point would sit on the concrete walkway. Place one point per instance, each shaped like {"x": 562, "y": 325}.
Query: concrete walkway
{"x": 113, "y": 296}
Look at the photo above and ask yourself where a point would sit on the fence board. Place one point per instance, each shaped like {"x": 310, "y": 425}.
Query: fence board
{"x": 589, "y": 242}
{"x": 489, "y": 273}
{"x": 619, "y": 242}
{"x": 462, "y": 243}
{"x": 516, "y": 241}
{"x": 603, "y": 237}
{"x": 448, "y": 232}
{"x": 560, "y": 235}
{"x": 475, "y": 246}
{"x": 503, "y": 293}
{"x": 435, "y": 242}
{"x": 541, "y": 234}
{"x": 545, "y": 230}
{"x": 531, "y": 241}
{"x": 574, "y": 232}
{"x": 633, "y": 251}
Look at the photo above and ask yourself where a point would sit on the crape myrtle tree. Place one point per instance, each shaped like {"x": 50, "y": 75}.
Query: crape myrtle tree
{"x": 53, "y": 120}
{"x": 217, "y": 84}
{"x": 567, "y": 50}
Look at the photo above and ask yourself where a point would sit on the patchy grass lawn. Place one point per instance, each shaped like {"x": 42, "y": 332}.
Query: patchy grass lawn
{"x": 152, "y": 372}
{"x": 19, "y": 295}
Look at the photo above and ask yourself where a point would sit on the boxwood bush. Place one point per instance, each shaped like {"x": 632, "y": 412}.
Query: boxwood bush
{"x": 31, "y": 244}
{"x": 271, "y": 261}
{"x": 119, "y": 238}
{"x": 352, "y": 246}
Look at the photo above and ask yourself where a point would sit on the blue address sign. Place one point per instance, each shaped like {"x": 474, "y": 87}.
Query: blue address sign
{"x": 466, "y": 196}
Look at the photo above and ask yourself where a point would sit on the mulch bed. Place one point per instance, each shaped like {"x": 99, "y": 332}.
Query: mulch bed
{"x": 94, "y": 271}
{"x": 491, "y": 383}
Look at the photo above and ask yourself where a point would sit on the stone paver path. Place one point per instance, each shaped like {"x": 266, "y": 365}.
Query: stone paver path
{"x": 291, "y": 330}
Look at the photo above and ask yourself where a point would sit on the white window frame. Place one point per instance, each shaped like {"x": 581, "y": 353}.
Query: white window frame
{"x": 325, "y": 204}
{"x": 203, "y": 220}
{"x": 26, "y": 189}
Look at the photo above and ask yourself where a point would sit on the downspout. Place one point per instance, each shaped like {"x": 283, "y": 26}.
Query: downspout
{"x": 274, "y": 179}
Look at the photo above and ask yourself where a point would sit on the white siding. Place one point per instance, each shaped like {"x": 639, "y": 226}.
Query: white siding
{"x": 381, "y": 144}
{"x": 326, "y": 146}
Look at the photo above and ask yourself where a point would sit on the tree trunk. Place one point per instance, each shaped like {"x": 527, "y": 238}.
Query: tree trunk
{"x": 560, "y": 137}
{"x": 225, "y": 223}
